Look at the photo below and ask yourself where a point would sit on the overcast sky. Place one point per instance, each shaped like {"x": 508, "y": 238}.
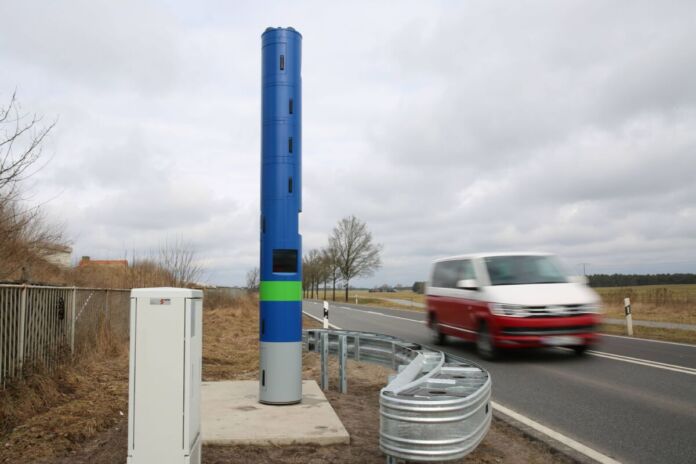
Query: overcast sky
{"x": 449, "y": 127}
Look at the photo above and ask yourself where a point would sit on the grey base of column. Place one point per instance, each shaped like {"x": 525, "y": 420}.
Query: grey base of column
{"x": 281, "y": 373}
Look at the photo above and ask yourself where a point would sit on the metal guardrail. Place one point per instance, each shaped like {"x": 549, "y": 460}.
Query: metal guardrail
{"x": 39, "y": 324}
{"x": 437, "y": 408}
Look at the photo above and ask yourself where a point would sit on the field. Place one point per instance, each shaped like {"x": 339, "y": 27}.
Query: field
{"x": 78, "y": 415}
{"x": 664, "y": 303}
{"x": 380, "y": 298}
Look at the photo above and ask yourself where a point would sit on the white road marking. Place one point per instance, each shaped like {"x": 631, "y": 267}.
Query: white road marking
{"x": 381, "y": 314}
{"x": 651, "y": 340}
{"x": 577, "y": 446}
{"x": 458, "y": 328}
{"x": 643, "y": 362}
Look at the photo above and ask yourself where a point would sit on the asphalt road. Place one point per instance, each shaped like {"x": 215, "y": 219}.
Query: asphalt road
{"x": 632, "y": 400}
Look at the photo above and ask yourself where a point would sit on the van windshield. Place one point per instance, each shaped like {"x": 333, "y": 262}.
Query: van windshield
{"x": 521, "y": 270}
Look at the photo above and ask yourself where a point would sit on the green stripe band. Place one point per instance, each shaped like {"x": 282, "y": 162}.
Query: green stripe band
{"x": 280, "y": 290}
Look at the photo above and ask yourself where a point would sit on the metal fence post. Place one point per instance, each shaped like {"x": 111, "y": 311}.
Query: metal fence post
{"x": 342, "y": 365}
{"x": 22, "y": 322}
{"x": 72, "y": 321}
{"x": 324, "y": 361}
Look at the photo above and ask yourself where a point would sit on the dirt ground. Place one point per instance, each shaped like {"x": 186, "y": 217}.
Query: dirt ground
{"x": 87, "y": 423}
{"x": 359, "y": 412}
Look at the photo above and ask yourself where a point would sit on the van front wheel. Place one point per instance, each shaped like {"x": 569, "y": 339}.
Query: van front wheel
{"x": 438, "y": 337}
{"x": 484, "y": 343}
{"x": 580, "y": 350}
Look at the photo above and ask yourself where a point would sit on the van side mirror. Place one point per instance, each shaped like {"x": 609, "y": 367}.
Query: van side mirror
{"x": 468, "y": 284}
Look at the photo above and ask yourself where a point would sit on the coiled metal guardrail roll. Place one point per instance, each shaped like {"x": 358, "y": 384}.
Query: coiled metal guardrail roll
{"x": 437, "y": 408}
{"x": 442, "y": 418}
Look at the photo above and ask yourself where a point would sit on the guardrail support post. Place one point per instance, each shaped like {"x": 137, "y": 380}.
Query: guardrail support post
{"x": 20, "y": 335}
{"x": 324, "y": 361}
{"x": 629, "y": 316}
{"x": 342, "y": 365}
{"x": 72, "y": 321}
{"x": 356, "y": 347}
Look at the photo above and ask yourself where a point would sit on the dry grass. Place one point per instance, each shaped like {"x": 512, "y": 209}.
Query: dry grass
{"x": 407, "y": 295}
{"x": 50, "y": 414}
{"x": 664, "y": 303}
{"x": 231, "y": 341}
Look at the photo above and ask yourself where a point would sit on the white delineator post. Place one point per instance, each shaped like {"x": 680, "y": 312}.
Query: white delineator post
{"x": 629, "y": 317}
{"x": 326, "y": 314}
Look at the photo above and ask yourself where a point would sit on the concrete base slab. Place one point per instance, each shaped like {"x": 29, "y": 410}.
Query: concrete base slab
{"x": 232, "y": 415}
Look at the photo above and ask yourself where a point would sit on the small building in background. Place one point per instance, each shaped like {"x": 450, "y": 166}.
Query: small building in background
{"x": 60, "y": 255}
{"x": 86, "y": 261}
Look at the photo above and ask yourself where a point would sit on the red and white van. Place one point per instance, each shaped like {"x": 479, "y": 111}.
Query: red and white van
{"x": 511, "y": 300}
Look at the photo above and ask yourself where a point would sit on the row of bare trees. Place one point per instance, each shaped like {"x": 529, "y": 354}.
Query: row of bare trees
{"x": 350, "y": 253}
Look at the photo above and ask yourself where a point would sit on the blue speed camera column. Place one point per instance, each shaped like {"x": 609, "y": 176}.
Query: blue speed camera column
{"x": 280, "y": 292}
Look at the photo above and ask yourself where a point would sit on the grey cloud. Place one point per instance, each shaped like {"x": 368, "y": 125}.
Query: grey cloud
{"x": 93, "y": 42}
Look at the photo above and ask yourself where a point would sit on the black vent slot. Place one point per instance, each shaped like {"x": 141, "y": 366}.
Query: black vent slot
{"x": 282, "y": 62}
{"x": 289, "y": 184}
{"x": 289, "y": 144}
{"x": 290, "y": 106}
{"x": 263, "y": 378}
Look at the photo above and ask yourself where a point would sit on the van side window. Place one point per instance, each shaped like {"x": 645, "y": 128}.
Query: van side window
{"x": 445, "y": 274}
{"x": 466, "y": 270}
{"x": 448, "y": 273}
{"x": 438, "y": 275}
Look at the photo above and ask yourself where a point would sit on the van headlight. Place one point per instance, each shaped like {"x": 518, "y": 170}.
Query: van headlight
{"x": 510, "y": 310}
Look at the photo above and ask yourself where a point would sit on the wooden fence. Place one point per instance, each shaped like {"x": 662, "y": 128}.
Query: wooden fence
{"x": 40, "y": 326}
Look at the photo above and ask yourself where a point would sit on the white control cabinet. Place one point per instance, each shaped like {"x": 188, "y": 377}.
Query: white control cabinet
{"x": 164, "y": 407}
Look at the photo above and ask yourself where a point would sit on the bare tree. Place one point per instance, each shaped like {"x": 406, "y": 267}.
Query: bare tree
{"x": 21, "y": 136}
{"x": 25, "y": 236}
{"x": 358, "y": 256}
{"x": 331, "y": 261}
{"x": 252, "y": 279}
{"x": 324, "y": 269}
{"x": 311, "y": 272}
{"x": 177, "y": 259}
